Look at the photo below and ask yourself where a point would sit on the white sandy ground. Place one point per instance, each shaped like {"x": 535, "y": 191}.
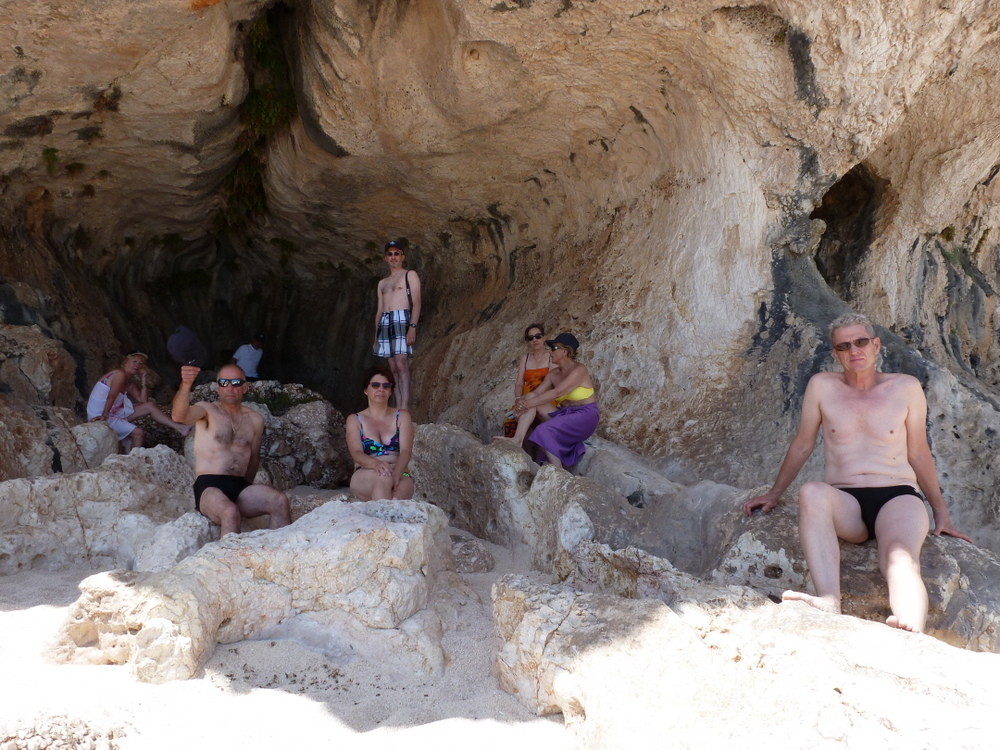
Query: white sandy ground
{"x": 257, "y": 694}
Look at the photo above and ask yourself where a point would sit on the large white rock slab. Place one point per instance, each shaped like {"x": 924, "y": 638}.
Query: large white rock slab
{"x": 633, "y": 673}
{"x": 374, "y": 562}
{"x": 96, "y": 517}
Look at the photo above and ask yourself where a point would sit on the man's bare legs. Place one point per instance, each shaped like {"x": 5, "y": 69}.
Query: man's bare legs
{"x": 400, "y": 366}
{"x": 901, "y": 528}
{"x": 825, "y": 515}
{"x": 255, "y": 500}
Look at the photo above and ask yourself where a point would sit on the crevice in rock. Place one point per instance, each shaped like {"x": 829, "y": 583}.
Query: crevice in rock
{"x": 849, "y": 208}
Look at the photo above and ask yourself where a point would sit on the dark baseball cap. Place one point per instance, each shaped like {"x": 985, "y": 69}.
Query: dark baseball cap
{"x": 566, "y": 339}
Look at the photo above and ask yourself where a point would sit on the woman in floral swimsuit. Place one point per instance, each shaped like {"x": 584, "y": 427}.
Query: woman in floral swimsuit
{"x": 380, "y": 439}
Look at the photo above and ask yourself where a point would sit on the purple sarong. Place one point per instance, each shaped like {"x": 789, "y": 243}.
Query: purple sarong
{"x": 563, "y": 433}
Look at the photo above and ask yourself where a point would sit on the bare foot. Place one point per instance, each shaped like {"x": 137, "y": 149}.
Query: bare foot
{"x": 506, "y": 439}
{"x": 822, "y": 603}
{"x": 894, "y": 622}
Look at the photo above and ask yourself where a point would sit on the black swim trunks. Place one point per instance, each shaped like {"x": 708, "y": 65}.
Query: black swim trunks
{"x": 871, "y": 500}
{"x": 231, "y": 486}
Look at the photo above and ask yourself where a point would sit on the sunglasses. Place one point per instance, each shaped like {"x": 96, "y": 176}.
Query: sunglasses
{"x": 845, "y": 346}
{"x": 223, "y": 382}
{"x": 384, "y": 386}
{"x": 390, "y": 253}
{"x": 534, "y": 336}
{"x": 556, "y": 347}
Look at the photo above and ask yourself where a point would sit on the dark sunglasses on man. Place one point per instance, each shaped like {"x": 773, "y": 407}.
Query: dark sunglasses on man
{"x": 845, "y": 346}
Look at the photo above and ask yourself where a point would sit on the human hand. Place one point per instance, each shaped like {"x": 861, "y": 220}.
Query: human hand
{"x": 944, "y": 527}
{"x": 98, "y": 418}
{"x": 411, "y": 336}
{"x": 189, "y": 373}
{"x": 766, "y": 503}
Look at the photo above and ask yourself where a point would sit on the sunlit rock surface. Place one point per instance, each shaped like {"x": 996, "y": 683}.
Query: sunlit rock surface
{"x": 633, "y": 671}
{"x": 374, "y": 562}
{"x": 98, "y": 517}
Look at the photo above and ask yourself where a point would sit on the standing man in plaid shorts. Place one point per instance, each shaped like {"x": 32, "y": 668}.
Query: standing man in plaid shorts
{"x": 396, "y": 319}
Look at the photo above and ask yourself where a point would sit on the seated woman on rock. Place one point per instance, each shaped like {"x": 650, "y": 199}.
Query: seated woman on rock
{"x": 380, "y": 440}
{"x": 120, "y": 397}
{"x": 534, "y": 367}
{"x": 564, "y": 427}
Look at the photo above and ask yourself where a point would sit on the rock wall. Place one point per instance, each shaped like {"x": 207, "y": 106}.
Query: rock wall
{"x": 695, "y": 190}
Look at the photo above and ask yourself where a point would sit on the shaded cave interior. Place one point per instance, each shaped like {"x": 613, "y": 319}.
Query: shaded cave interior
{"x": 850, "y": 209}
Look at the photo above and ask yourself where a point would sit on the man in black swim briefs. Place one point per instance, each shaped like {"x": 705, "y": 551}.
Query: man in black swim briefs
{"x": 876, "y": 455}
{"x": 227, "y": 452}
{"x": 871, "y": 500}
{"x": 231, "y": 487}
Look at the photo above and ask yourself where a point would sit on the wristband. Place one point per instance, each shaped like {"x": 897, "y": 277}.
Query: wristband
{"x": 413, "y": 325}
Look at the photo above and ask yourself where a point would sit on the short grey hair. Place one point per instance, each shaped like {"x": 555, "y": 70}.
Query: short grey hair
{"x": 852, "y": 319}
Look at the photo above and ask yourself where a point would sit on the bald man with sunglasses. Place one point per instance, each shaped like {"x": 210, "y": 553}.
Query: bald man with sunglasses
{"x": 877, "y": 457}
{"x": 227, "y": 453}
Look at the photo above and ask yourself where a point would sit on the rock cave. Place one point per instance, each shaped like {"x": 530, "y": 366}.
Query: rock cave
{"x": 694, "y": 190}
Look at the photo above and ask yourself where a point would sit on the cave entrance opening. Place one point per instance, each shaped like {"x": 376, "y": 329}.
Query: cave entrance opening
{"x": 850, "y": 209}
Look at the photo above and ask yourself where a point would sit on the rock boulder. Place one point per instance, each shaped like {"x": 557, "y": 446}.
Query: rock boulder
{"x": 373, "y": 562}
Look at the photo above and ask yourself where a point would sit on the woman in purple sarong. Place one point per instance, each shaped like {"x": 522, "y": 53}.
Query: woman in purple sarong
{"x": 564, "y": 403}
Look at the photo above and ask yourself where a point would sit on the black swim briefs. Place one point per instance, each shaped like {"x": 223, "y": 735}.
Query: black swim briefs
{"x": 871, "y": 500}
{"x": 231, "y": 486}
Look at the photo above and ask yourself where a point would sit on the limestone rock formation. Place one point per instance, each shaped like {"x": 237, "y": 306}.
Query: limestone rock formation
{"x": 497, "y": 493}
{"x": 38, "y": 397}
{"x": 99, "y": 517}
{"x": 374, "y": 562}
{"x": 35, "y": 368}
{"x": 627, "y": 672}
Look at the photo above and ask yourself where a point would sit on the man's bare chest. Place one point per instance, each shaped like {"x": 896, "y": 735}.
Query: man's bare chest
{"x": 394, "y": 284}
{"x": 870, "y": 415}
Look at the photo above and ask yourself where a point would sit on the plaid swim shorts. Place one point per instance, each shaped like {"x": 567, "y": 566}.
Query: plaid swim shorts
{"x": 391, "y": 335}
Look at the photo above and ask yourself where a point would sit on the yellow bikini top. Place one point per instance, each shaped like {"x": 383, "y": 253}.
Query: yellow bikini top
{"x": 577, "y": 394}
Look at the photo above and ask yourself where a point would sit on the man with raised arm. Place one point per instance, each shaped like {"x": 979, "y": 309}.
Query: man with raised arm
{"x": 396, "y": 319}
{"x": 227, "y": 452}
{"x": 877, "y": 456}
